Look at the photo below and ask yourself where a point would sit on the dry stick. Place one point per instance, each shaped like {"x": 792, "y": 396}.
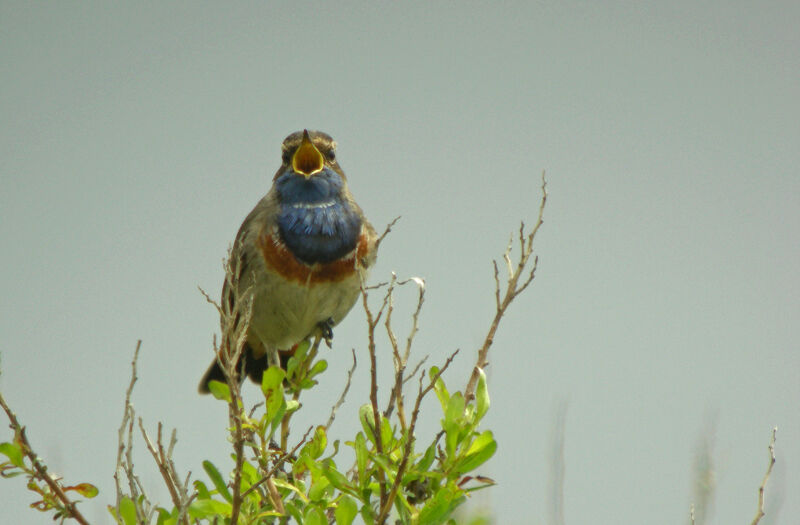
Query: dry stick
{"x": 401, "y": 360}
{"x": 421, "y": 393}
{"x": 234, "y": 337}
{"x": 760, "y": 512}
{"x": 339, "y": 403}
{"x": 127, "y": 418}
{"x": 302, "y": 370}
{"x": 277, "y": 464}
{"x": 513, "y": 289}
{"x": 41, "y": 469}
{"x": 372, "y": 322}
{"x": 167, "y": 469}
{"x": 399, "y": 366}
{"x": 235, "y": 416}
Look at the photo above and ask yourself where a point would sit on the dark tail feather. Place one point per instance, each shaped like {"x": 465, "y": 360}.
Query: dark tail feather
{"x": 254, "y": 368}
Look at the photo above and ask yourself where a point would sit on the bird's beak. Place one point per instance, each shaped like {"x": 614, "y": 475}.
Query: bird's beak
{"x": 307, "y": 160}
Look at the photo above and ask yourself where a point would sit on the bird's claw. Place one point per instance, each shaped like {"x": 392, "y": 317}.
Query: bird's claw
{"x": 326, "y": 331}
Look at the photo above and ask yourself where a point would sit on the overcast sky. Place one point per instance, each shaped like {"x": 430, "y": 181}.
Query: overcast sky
{"x": 135, "y": 139}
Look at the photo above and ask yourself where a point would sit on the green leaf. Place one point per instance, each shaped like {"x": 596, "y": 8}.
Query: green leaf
{"x": 454, "y": 414}
{"x": 292, "y": 405}
{"x": 367, "y": 418}
{"x": 298, "y": 357}
{"x": 165, "y": 518}
{"x": 127, "y": 510}
{"x": 368, "y": 515}
{"x": 249, "y": 476}
{"x": 427, "y": 459}
{"x": 439, "y": 388}
{"x": 202, "y": 491}
{"x": 319, "y": 367}
{"x": 454, "y": 423}
{"x": 286, "y": 485}
{"x": 387, "y": 434}
{"x": 272, "y": 387}
{"x": 319, "y": 489}
{"x": 482, "y": 396}
{"x": 336, "y": 478}
{"x": 220, "y": 390}
{"x": 315, "y": 448}
{"x": 478, "y": 452}
{"x": 87, "y": 490}
{"x": 217, "y": 480}
{"x": 441, "y": 505}
{"x": 346, "y": 510}
{"x": 362, "y": 455}
{"x": 205, "y": 508}
{"x": 293, "y": 510}
{"x": 315, "y": 516}
{"x": 13, "y": 453}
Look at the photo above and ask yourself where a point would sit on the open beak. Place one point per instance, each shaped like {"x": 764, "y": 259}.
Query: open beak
{"x": 307, "y": 160}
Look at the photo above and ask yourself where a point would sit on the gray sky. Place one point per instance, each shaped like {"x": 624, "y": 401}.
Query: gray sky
{"x": 135, "y": 140}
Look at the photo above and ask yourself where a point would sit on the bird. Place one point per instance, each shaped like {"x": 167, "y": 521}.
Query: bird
{"x": 301, "y": 256}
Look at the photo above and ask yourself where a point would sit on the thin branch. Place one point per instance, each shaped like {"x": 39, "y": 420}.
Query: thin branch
{"x": 301, "y": 372}
{"x": 513, "y": 289}
{"x": 386, "y": 231}
{"x": 41, "y": 469}
{"x": 398, "y": 478}
{"x": 124, "y": 459}
{"x": 166, "y": 466}
{"x": 235, "y": 316}
{"x": 372, "y": 322}
{"x": 399, "y": 381}
{"x": 277, "y": 464}
{"x": 760, "y": 512}
{"x": 416, "y": 369}
{"x": 339, "y": 403}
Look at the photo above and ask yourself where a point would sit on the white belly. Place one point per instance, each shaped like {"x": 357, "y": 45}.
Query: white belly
{"x": 285, "y": 313}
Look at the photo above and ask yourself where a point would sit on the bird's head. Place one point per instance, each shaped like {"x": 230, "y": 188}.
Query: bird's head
{"x": 309, "y": 153}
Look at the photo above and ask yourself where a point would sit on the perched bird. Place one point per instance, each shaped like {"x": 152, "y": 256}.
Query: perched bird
{"x": 301, "y": 254}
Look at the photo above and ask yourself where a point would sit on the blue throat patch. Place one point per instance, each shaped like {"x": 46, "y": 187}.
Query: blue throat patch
{"x": 315, "y": 222}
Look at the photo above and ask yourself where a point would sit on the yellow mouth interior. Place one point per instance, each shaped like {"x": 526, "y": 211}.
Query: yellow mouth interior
{"x": 307, "y": 160}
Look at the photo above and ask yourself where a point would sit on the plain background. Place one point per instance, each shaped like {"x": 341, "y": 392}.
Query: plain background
{"x": 135, "y": 138}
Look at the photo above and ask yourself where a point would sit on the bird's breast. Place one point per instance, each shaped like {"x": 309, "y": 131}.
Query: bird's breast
{"x": 319, "y": 232}
{"x": 279, "y": 258}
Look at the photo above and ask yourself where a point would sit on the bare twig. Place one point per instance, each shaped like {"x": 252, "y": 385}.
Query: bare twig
{"x": 346, "y": 389}
{"x": 277, "y": 464}
{"x": 401, "y": 359}
{"x": 760, "y": 512}
{"x": 386, "y": 506}
{"x": 301, "y": 372}
{"x": 124, "y": 458}
{"x": 386, "y": 231}
{"x": 372, "y": 322}
{"x": 40, "y": 468}
{"x": 235, "y": 314}
{"x": 166, "y": 466}
{"x": 416, "y": 369}
{"x": 513, "y": 288}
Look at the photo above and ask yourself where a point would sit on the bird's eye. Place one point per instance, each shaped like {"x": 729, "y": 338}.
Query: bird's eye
{"x": 331, "y": 155}
{"x": 286, "y": 157}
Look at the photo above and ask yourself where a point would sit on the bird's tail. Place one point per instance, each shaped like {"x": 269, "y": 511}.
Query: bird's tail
{"x": 254, "y": 367}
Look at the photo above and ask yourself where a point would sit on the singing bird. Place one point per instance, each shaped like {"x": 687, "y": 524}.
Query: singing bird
{"x": 301, "y": 254}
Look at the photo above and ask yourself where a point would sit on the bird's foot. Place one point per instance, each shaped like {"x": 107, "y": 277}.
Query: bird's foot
{"x": 326, "y": 331}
